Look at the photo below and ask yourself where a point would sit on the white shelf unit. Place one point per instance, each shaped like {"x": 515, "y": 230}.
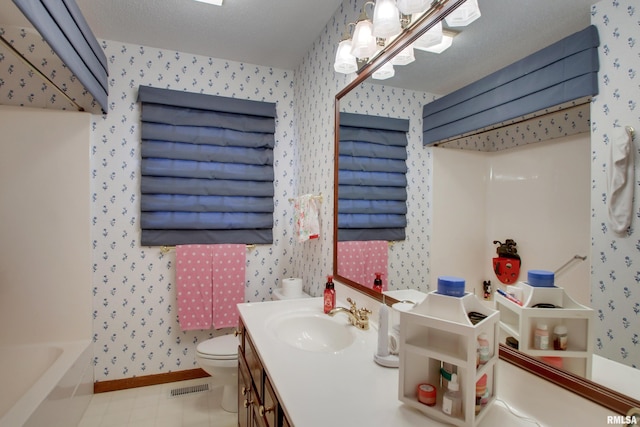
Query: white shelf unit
{"x": 436, "y": 331}
{"x": 520, "y": 322}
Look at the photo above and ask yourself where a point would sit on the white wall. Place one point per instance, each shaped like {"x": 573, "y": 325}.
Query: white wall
{"x": 45, "y": 255}
{"x": 460, "y": 212}
{"x": 536, "y": 194}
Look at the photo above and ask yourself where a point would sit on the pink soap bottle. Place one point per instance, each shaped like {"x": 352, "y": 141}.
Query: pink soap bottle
{"x": 329, "y": 295}
{"x": 377, "y": 283}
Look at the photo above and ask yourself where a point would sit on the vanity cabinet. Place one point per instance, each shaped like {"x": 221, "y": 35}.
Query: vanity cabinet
{"x": 438, "y": 333}
{"x": 258, "y": 404}
{"x": 520, "y": 321}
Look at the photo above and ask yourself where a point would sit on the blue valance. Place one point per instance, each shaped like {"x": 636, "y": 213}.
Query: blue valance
{"x": 372, "y": 181}
{"x": 562, "y": 72}
{"x": 62, "y": 26}
{"x": 207, "y": 168}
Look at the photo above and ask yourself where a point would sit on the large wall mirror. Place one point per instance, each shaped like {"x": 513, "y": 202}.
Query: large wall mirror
{"x": 459, "y": 240}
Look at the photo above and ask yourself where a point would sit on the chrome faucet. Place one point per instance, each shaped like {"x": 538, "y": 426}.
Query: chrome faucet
{"x": 358, "y": 317}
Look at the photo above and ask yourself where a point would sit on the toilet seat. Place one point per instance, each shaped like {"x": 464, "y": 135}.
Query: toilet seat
{"x": 224, "y": 347}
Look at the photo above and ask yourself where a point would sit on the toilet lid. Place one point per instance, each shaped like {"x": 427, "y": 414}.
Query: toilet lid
{"x": 222, "y": 347}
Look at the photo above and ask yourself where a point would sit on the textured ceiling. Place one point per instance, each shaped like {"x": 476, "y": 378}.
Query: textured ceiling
{"x": 507, "y": 31}
{"x": 279, "y": 33}
{"x": 275, "y": 33}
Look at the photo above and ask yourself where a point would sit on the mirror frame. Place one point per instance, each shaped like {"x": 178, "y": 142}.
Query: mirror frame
{"x": 604, "y": 396}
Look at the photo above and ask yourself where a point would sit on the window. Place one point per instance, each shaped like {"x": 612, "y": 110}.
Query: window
{"x": 207, "y": 169}
{"x": 372, "y": 194}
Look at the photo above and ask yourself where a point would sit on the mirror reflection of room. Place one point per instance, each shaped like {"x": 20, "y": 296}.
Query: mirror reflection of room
{"x": 542, "y": 194}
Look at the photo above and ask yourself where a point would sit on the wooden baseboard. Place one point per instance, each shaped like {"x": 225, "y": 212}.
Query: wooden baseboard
{"x": 169, "y": 377}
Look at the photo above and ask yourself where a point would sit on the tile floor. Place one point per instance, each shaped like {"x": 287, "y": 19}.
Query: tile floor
{"x": 153, "y": 406}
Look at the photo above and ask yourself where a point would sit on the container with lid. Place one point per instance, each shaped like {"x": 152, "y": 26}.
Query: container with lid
{"x": 427, "y": 394}
{"x": 560, "y": 337}
{"x": 541, "y": 337}
{"x": 540, "y": 278}
{"x": 451, "y": 286}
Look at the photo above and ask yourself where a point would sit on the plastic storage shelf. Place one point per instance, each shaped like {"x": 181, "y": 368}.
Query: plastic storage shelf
{"x": 437, "y": 331}
{"x": 520, "y": 322}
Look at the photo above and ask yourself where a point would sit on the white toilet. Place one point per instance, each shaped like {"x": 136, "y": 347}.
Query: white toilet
{"x": 218, "y": 357}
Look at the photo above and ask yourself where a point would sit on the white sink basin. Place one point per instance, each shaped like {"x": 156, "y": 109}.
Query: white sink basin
{"x": 312, "y": 331}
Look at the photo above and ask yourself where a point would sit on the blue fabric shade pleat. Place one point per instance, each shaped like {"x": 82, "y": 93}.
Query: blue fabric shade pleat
{"x": 562, "y": 72}
{"x": 207, "y": 169}
{"x": 372, "y": 180}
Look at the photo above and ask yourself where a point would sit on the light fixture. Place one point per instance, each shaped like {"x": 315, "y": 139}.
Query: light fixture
{"x": 345, "y": 62}
{"x": 385, "y": 72}
{"x": 447, "y": 41}
{"x": 386, "y": 19}
{"x": 405, "y": 56}
{"x": 408, "y": 7}
{"x": 363, "y": 43}
{"x": 213, "y": 2}
{"x": 464, "y": 14}
{"x": 431, "y": 38}
{"x": 390, "y": 18}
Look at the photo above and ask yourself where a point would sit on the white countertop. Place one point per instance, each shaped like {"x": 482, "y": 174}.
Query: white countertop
{"x": 318, "y": 389}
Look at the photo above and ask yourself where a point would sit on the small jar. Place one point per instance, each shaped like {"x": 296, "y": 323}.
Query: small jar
{"x": 427, "y": 394}
{"x": 484, "y": 352}
{"x": 560, "y": 337}
{"x": 541, "y": 337}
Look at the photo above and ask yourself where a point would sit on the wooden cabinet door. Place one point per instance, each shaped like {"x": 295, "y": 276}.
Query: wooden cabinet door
{"x": 245, "y": 393}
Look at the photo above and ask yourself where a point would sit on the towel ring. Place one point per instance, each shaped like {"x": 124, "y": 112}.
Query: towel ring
{"x": 631, "y": 131}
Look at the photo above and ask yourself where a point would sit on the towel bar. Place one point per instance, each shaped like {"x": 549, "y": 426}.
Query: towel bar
{"x": 164, "y": 249}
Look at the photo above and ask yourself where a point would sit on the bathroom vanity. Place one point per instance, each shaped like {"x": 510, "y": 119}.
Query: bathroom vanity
{"x": 258, "y": 404}
{"x": 298, "y": 366}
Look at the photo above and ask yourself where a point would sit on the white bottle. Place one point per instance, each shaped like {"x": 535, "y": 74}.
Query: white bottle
{"x": 541, "y": 337}
{"x": 452, "y": 401}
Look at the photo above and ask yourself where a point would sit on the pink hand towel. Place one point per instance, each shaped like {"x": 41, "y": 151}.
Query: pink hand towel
{"x": 193, "y": 285}
{"x": 361, "y": 260}
{"x": 228, "y": 278}
{"x": 351, "y": 261}
{"x": 376, "y": 261}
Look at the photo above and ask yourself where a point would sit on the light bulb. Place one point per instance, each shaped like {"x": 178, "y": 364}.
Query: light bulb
{"x": 385, "y": 72}
{"x": 431, "y": 38}
{"x": 363, "y": 43}
{"x": 386, "y": 19}
{"x": 408, "y": 7}
{"x": 464, "y": 14}
{"x": 345, "y": 62}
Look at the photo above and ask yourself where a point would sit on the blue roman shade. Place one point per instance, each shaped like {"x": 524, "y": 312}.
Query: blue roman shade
{"x": 207, "y": 168}
{"x": 562, "y": 72}
{"x": 63, "y": 27}
{"x": 372, "y": 194}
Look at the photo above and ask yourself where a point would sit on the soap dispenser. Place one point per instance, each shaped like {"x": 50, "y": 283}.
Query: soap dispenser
{"x": 377, "y": 283}
{"x": 329, "y": 295}
{"x": 452, "y": 400}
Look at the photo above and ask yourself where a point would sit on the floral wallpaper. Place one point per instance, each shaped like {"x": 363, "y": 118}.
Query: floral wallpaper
{"x": 615, "y": 259}
{"x": 21, "y": 86}
{"x": 556, "y": 122}
{"x": 135, "y": 313}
